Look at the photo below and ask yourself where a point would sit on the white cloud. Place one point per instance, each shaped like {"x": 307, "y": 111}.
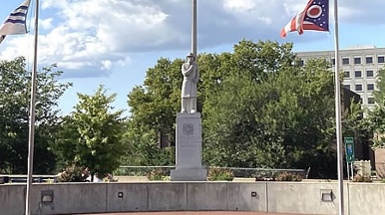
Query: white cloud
{"x": 99, "y": 35}
{"x": 45, "y": 24}
{"x": 107, "y": 64}
{"x": 239, "y": 5}
{"x": 292, "y": 7}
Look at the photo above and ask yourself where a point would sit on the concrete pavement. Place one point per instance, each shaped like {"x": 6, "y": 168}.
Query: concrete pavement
{"x": 199, "y": 213}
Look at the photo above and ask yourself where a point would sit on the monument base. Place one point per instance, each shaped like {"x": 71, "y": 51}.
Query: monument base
{"x": 196, "y": 174}
{"x": 188, "y": 149}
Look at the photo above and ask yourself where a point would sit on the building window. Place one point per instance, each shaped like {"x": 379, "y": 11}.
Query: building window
{"x": 369, "y": 60}
{"x": 360, "y": 100}
{"x": 357, "y": 74}
{"x": 381, "y": 59}
{"x": 370, "y": 86}
{"x": 347, "y": 74}
{"x": 347, "y": 87}
{"x": 333, "y": 61}
{"x": 369, "y": 73}
{"x": 358, "y": 87}
{"x": 345, "y": 61}
{"x": 370, "y": 100}
{"x": 357, "y": 60}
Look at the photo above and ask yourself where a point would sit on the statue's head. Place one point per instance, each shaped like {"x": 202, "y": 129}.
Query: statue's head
{"x": 190, "y": 57}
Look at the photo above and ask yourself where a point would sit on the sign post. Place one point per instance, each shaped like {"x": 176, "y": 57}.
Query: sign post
{"x": 349, "y": 152}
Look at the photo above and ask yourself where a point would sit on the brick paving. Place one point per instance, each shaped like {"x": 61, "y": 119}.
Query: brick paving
{"x": 199, "y": 213}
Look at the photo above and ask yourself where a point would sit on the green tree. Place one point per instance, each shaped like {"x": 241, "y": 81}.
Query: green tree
{"x": 379, "y": 94}
{"x": 375, "y": 121}
{"x": 154, "y": 104}
{"x": 283, "y": 120}
{"x": 259, "y": 107}
{"x": 15, "y": 82}
{"x": 144, "y": 150}
{"x": 153, "y": 107}
{"x": 91, "y": 136}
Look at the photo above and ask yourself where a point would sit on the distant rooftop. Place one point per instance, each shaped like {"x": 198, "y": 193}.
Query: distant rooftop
{"x": 361, "y": 47}
{"x": 355, "y": 48}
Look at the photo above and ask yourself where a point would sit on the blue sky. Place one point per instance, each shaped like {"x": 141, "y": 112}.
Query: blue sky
{"x": 114, "y": 42}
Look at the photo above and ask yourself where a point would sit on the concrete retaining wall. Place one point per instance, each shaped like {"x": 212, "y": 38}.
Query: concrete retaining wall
{"x": 286, "y": 197}
{"x": 367, "y": 198}
{"x": 302, "y": 198}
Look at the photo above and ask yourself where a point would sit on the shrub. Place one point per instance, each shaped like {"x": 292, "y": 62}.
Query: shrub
{"x": 288, "y": 176}
{"x": 360, "y": 178}
{"x": 131, "y": 171}
{"x": 217, "y": 174}
{"x": 110, "y": 178}
{"x": 74, "y": 173}
{"x": 157, "y": 175}
{"x": 264, "y": 179}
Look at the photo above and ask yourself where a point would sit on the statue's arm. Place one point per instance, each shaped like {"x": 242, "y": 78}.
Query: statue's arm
{"x": 187, "y": 71}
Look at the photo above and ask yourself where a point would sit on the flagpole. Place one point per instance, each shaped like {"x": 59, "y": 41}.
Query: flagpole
{"x": 31, "y": 134}
{"x": 338, "y": 114}
{"x": 194, "y": 28}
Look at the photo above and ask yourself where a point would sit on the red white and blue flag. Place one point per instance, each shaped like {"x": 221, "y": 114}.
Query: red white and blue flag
{"x": 314, "y": 17}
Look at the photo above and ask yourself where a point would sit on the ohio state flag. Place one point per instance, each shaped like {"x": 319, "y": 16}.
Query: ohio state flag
{"x": 314, "y": 17}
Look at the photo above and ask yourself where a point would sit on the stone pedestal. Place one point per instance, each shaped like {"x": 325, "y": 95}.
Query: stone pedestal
{"x": 188, "y": 149}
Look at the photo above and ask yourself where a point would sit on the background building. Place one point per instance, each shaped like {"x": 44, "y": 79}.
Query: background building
{"x": 359, "y": 65}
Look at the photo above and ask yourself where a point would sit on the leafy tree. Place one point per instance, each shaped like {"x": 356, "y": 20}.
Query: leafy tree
{"x": 143, "y": 149}
{"x": 153, "y": 105}
{"x": 283, "y": 120}
{"x": 379, "y": 94}
{"x": 354, "y": 125}
{"x": 238, "y": 89}
{"x": 91, "y": 136}
{"x": 15, "y": 82}
{"x": 375, "y": 120}
{"x": 259, "y": 108}
{"x": 257, "y": 60}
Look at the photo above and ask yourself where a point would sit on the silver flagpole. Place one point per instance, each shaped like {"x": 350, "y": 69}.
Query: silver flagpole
{"x": 31, "y": 134}
{"x": 338, "y": 114}
{"x": 194, "y": 28}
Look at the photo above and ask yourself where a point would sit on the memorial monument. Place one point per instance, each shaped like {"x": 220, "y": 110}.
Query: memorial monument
{"x": 188, "y": 121}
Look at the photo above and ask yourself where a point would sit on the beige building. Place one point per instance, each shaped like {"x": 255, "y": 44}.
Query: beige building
{"x": 359, "y": 65}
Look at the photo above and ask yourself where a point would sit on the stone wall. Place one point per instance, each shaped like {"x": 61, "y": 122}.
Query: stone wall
{"x": 284, "y": 197}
